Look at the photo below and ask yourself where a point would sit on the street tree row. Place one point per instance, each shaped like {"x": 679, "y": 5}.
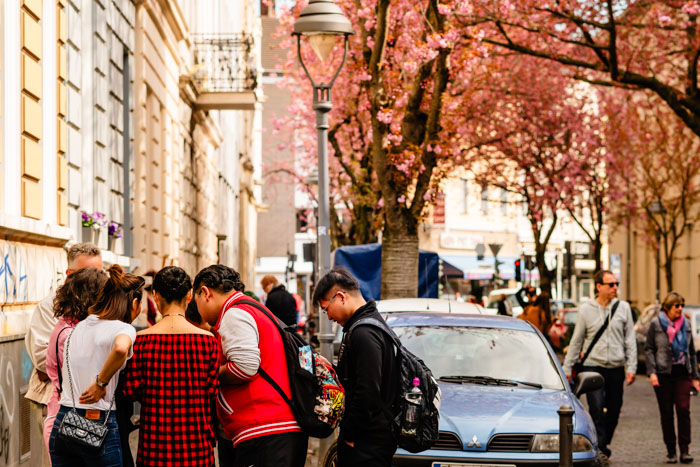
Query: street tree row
{"x": 580, "y": 109}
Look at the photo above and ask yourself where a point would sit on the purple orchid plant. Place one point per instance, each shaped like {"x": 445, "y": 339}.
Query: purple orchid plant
{"x": 96, "y": 220}
{"x": 114, "y": 230}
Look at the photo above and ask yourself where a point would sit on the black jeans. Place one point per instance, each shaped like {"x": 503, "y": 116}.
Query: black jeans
{"x": 283, "y": 450}
{"x": 674, "y": 390}
{"x": 610, "y": 398}
{"x": 374, "y": 451}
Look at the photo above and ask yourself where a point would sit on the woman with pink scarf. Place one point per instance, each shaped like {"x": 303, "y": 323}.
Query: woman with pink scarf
{"x": 70, "y": 306}
{"x": 672, "y": 367}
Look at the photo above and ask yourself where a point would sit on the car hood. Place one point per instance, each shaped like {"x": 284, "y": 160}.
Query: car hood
{"x": 483, "y": 411}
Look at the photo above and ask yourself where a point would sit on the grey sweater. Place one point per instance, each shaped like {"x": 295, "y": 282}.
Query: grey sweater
{"x": 616, "y": 347}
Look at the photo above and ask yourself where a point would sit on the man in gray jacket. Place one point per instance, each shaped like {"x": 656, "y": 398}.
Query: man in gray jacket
{"x": 614, "y": 355}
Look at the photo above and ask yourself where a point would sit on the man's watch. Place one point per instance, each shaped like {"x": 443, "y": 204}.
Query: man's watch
{"x": 100, "y": 383}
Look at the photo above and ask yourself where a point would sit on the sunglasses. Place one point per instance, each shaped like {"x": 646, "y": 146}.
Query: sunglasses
{"x": 679, "y": 305}
{"x": 611, "y": 284}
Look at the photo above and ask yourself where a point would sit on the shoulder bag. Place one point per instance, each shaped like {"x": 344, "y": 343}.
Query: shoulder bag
{"x": 578, "y": 366}
{"x": 74, "y": 427}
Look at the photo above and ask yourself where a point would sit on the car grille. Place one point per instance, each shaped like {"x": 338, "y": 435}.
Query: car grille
{"x": 510, "y": 443}
{"x": 448, "y": 442}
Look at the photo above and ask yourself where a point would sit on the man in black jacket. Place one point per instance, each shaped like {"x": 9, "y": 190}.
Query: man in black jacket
{"x": 367, "y": 367}
{"x": 280, "y": 302}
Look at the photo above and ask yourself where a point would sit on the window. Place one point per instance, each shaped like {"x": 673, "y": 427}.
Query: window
{"x": 485, "y": 199}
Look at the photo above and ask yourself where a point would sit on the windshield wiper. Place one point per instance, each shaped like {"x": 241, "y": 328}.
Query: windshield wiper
{"x": 487, "y": 380}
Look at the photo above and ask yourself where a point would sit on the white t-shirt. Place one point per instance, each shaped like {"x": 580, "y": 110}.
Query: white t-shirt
{"x": 90, "y": 344}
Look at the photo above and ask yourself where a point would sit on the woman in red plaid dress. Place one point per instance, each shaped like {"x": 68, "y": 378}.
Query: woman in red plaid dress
{"x": 174, "y": 374}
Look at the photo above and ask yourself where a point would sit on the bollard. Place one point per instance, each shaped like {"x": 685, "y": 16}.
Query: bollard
{"x": 566, "y": 436}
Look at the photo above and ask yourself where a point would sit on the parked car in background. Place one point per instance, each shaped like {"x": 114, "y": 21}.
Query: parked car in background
{"x": 693, "y": 314}
{"x": 563, "y": 327}
{"x": 561, "y": 305}
{"x": 495, "y": 295}
{"x": 425, "y": 305}
{"x": 501, "y": 388}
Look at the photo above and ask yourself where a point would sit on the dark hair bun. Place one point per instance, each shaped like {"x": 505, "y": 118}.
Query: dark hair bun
{"x": 172, "y": 283}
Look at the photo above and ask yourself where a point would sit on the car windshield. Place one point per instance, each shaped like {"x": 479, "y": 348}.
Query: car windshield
{"x": 570, "y": 318}
{"x": 502, "y": 354}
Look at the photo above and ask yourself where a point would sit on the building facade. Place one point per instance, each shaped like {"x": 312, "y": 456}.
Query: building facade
{"x": 104, "y": 109}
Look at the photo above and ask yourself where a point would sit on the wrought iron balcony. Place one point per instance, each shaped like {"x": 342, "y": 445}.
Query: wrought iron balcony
{"x": 225, "y": 73}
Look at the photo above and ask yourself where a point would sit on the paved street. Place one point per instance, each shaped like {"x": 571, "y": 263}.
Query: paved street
{"x": 638, "y": 438}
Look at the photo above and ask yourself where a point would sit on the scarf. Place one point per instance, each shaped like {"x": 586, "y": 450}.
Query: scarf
{"x": 677, "y": 335}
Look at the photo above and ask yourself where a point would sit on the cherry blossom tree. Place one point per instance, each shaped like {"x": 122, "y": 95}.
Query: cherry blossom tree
{"x": 629, "y": 44}
{"x": 543, "y": 143}
{"x": 389, "y": 136}
{"x": 663, "y": 164}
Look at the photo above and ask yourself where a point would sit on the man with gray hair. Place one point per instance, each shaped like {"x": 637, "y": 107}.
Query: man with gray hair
{"x": 80, "y": 255}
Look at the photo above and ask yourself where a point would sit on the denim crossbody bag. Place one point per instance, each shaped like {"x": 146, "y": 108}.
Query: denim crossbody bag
{"x": 75, "y": 428}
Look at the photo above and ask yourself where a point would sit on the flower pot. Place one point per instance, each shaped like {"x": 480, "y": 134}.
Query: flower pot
{"x": 88, "y": 235}
{"x": 96, "y": 237}
{"x": 112, "y": 244}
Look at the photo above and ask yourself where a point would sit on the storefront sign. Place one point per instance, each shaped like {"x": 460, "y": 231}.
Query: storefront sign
{"x": 458, "y": 241}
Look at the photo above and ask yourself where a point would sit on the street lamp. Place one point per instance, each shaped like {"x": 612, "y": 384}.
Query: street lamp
{"x": 322, "y": 22}
{"x": 658, "y": 210}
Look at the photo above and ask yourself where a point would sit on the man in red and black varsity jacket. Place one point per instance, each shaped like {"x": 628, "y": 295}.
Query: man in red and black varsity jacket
{"x": 256, "y": 418}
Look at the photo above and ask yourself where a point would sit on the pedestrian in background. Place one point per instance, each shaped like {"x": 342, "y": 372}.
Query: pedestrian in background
{"x": 42, "y": 324}
{"x": 368, "y": 370}
{"x": 673, "y": 370}
{"x": 254, "y": 415}
{"x": 96, "y": 351}
{"x": 614, "y": 356}
{"x": 539, "y": 314}
{"x": 504, "y": 307}
{"x": 530, "y": 295}
{"x": 71, "y": 304}
{"x": 174, "y": 374}
{"x": 280, "y": 302}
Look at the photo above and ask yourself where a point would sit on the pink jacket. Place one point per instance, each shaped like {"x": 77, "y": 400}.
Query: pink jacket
{"x": 54, "y": 363}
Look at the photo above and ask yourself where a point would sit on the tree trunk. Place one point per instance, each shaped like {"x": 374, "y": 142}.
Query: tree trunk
{"x": 668, "y": 269}
{"x": 597, "y": 246}
{"x": 399, "y": 259}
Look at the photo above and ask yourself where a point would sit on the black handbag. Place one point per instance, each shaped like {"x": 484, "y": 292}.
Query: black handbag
{"x": 74, "y": 427}
{"x": 578, "y": 365}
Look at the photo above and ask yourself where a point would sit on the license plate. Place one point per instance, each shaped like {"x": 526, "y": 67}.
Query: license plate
{"x": 452, "y": 464}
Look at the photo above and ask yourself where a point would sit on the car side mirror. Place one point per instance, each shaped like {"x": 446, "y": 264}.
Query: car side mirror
{"x": 588, "y": 381}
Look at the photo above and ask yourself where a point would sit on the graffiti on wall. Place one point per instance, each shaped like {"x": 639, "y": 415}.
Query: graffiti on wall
{"x": 20, "y": 284}
{"x": 8, "y": 404}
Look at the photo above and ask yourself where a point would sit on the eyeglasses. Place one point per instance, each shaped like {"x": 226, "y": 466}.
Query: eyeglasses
{"x": 325, "y": 309}
{"x": 611, "y": 284}
{"x": 679, "y": 305}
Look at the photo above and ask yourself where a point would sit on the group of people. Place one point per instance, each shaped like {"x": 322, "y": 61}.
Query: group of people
{"x": 197, "y": 371}
{"x": 671, "y": 363}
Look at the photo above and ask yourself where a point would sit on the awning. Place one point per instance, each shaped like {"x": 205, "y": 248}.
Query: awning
{"x": 450, "y": 271}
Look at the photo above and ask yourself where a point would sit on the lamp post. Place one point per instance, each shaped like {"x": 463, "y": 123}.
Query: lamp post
{"x": 658, "y": 210}
{"x": 322, "y": 22}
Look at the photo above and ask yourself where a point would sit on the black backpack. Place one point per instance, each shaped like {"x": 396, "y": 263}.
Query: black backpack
{"x": 410, "y": 367}
{"x": 318, "y": 399}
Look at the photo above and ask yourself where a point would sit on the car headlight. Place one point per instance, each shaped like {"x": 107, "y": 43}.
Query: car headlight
{"x": 550, "y": 443}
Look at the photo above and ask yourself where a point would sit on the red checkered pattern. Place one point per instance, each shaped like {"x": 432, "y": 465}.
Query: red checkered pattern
{"x": 175, "y": 377}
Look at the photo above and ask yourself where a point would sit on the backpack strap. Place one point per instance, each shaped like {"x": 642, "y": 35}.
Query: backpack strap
{"x": 371, "y": 321}
{"x": 60, "y": 375}
{"x": 280, "y": 328}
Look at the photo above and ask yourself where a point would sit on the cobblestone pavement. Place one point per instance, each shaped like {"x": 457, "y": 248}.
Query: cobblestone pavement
{"x": 638, "y": 440}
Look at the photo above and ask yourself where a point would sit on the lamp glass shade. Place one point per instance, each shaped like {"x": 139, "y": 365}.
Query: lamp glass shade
{"x": 322, "y": 44}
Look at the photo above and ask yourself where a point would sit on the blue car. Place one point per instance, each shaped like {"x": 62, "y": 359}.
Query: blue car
{"x": 501, "y": 388}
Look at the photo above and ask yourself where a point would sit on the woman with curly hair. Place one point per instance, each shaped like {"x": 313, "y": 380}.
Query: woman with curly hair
{"x": 96, "y": 351}
{"x": 71, "y": 304}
